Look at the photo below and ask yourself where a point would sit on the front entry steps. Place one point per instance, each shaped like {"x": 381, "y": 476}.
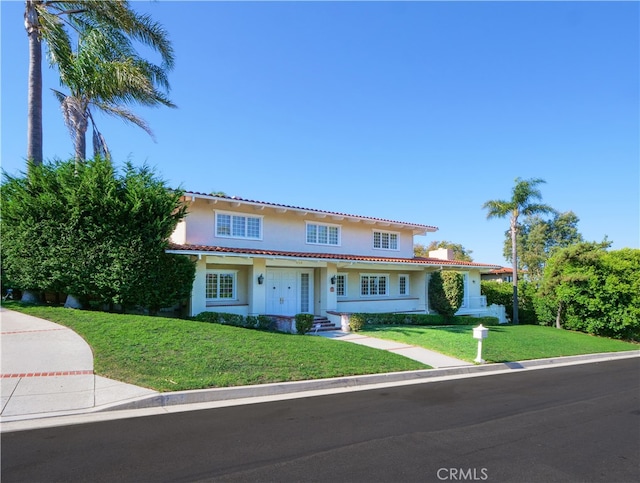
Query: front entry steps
{"x": 322, "y": 324}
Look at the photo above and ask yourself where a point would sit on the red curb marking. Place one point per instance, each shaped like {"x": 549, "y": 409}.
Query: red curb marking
{"x": 399, "y": 348}
{"x": 29, "y": 331}
{"x": 47, "y": 374}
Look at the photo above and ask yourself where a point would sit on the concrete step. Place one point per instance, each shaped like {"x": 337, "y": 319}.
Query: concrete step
{"x": 322, "y": 324}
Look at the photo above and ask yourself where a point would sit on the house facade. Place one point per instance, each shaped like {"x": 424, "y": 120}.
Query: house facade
{"x": 502, "y": 274}
{"x": 258, "y": 258}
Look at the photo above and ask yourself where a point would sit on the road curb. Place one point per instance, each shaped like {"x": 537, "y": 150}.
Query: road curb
{"x": 275, "y": 389}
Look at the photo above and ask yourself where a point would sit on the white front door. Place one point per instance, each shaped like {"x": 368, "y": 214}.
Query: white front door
{"x": 288, "y": 291}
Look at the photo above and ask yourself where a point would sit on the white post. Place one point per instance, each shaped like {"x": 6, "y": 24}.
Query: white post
{"x": 480, "y": 333}
{"x": 479, "y": 358}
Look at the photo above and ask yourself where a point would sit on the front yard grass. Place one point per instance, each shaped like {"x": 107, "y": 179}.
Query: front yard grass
{"x": 173, "y": 354}
{"x": 505, "y": 343}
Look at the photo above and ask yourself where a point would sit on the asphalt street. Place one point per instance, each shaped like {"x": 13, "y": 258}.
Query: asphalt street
{"x": 576, "y": 423}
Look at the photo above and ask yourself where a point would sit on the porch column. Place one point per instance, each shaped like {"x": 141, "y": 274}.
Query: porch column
{"x": 427, "y": 277}
{"x": 257, "y": 292}
{"x": 329, "y": 296}
{"x": 198, "y": 292}
{"x": 420, "y": 290}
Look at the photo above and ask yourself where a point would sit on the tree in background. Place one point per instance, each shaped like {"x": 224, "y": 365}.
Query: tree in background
{"x": 94, "y": 233}
{"x": 590, "y": 289}
{"x": 446, "y": 291}
{"x": 49, "y": 20}
{"x": 459, "y": 252}
{"x": 105, "y": 73}
{"x": 538, "y": 239}
{"x": 522, "y": 202}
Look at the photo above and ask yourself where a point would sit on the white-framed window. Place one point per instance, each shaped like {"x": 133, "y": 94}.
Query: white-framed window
{"x": 385, "y": 240}
{"x": 221, "y": 285}
{"x": 374, "y": 284}
{"x": 233, "y": 225}
{"x": 323, "y": 234}
{"x": 341, "y": 285}
{"x": 403, "y": 284}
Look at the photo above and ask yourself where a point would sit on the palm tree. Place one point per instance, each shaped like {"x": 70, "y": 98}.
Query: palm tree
{"x": 521, "y": 203}
{"x": 105, "y": 73}
{"x": 48, "y": 20}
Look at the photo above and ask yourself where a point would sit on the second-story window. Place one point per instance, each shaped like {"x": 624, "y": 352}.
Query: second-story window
{"x": 385, "y": 240}
{"x": 321, "y": 234}
{"x": 232, "y": 225}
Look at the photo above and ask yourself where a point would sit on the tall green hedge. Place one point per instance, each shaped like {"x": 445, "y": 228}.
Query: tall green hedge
{"x": 94, "y": 232}
{"x": 501, "y": 293}
{"x": 446, "y": 291}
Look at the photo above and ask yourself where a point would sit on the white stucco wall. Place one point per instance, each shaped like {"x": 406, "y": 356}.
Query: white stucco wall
{"x": 179, "y": 235}
{"x": 286, "y": 231}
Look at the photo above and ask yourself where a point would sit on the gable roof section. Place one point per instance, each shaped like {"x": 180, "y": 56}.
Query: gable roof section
{"x": 416, "y": 227}
{"x": 216, "y": 250}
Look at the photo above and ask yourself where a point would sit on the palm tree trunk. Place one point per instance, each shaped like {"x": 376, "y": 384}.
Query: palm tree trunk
{"x": 34, "y": 109}
{"x": 81, "y": 142}
{"x": 514, "y": 258}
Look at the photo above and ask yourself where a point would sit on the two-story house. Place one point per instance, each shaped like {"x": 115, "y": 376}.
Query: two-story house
{"x": 258, "y": 258}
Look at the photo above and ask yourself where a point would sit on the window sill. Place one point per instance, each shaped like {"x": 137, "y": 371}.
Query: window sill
{"x": 375, "y": 299}
{"x": 230, "y": 303}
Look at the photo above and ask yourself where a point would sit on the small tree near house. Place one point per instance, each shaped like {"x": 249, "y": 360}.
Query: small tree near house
{"x": 446, "y": 291}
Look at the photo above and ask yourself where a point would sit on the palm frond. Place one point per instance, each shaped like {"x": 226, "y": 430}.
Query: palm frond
{"x": 126, "y": 116}
{"x": 497, "y": 208}
{"x": 105, "y": 70}
{"x": 537, "y": 208}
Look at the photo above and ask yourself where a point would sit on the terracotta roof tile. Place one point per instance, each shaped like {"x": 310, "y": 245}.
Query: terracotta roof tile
{"x": 335, "y": 213}
{"x": 324, "y": 256}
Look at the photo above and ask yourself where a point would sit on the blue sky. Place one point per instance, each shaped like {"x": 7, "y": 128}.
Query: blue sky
{"x": 412, "y": 111}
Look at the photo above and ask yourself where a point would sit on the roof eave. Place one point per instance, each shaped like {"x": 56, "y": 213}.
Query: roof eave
{"x": 418, "y": 229}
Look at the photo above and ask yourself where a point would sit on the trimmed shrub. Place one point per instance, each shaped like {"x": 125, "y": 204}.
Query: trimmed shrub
{"x": 251, "y": 322}
{"x": 265, "y": 323}
{"x": 501, "y": 293}
{"x": 304, "y": 323}
{"x": 446, "y": 291}
{"x": 221, "y": 318}
{"x": 356, "y": 322}
{"x": 260, "y": 322}
{"x": 362, "y": 319}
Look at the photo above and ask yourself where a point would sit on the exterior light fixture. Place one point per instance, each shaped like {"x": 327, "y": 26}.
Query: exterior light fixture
{"x": 333, "y": 280}
{"x": 260, "y": 279}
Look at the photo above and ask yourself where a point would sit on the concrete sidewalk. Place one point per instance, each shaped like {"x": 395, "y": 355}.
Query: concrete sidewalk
{"x": 431, "y": 358}
{"x": 48, "y": 368}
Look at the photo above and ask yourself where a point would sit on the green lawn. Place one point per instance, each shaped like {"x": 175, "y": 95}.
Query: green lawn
{"x": 504, "y": 343}
{"x": 172, "y": 354}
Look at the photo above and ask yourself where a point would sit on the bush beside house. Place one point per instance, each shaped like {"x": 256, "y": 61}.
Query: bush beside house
{"x": 446, "y": 291}
{"x": 304, "y": 323}
{"x": 501, "y": 293}
{"x": 358, "y": 321}
{"x": 94, "y": 233}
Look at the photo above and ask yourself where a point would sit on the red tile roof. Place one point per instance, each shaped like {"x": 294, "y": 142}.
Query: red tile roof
{"x": 323, "y": 256}
{"x": 290, "y": 207}
{"x": 507, "y": 270}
